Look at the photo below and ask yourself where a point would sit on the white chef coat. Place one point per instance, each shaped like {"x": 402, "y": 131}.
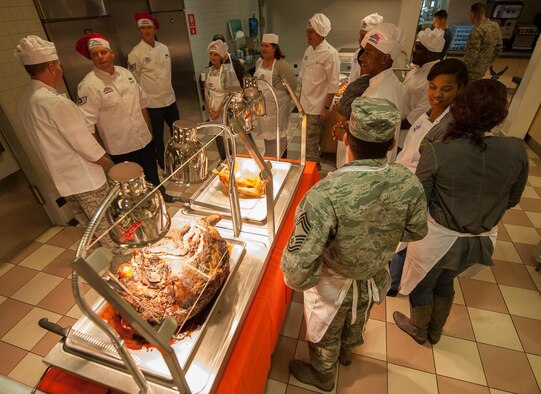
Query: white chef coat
{"x": 384, "y": 85}
{"x": 387, "y": 86}
{"x": 416, "y": 92}
{"x": 114, "y": 104}
{"x": 60, "y": 135}
{"x": 409, "y": 155}
{"x": 355, "y": 67}
{"x": 320, "y": 70}
{"x": 151, "y": 67}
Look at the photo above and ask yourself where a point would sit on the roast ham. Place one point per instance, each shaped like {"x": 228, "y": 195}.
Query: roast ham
{"x": 180, "y": 274}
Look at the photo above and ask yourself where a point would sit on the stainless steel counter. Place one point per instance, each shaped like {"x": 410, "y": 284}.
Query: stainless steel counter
{"x": 205, "y": 368}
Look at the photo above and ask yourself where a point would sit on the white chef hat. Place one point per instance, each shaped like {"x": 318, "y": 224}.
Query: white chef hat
{"x": 369, "y": 22}
{"x": 321, "y": 24}
{"x": 386, "y": 38}
{"x": 219, "y": 47}
{"x": 432, "y": 40}
{"x": 35, "y": 50}
{"x": 270, "y": 38}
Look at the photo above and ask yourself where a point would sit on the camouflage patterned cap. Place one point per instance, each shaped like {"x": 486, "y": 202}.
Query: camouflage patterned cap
{"x": 373, "y": 120}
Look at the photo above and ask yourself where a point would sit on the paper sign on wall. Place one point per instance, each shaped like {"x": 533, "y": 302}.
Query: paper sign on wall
{"x": 191, "y": 24}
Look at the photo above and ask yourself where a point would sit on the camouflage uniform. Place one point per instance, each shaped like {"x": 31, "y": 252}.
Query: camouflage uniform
{"x": 351, "y": 222}
{"x": 483, "y": 47}
{"x": 84, "y": 205}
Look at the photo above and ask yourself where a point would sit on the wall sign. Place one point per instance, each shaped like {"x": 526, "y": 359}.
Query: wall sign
{"x": 191, "y": 24}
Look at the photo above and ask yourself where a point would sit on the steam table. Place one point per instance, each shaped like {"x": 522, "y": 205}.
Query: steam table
{"x": 249, "y": 364}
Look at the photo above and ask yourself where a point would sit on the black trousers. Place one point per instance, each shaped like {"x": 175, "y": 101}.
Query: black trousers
{"x": 146, "y": 158}
{"x": 157, "y": 118}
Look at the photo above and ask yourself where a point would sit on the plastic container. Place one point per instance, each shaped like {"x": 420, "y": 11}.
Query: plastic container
{"x": 253, "y": 25}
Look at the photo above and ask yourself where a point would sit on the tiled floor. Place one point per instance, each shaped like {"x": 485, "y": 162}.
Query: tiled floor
{"x": 491, "y": 342}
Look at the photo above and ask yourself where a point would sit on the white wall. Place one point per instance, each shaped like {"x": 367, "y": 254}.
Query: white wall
{"x": 526, "y": 100}
{"x": 288, "y": 19}
{"x": 211, "y": 17}
{"x": 18, "y": 18}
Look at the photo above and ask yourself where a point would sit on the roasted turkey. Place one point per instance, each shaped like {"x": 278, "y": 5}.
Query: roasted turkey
{"x": 178, "y": 275}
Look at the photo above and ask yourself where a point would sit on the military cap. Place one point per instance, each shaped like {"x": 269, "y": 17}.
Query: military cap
{"x": 373, "y": 120}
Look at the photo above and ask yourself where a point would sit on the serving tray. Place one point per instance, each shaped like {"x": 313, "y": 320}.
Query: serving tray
{"x": 150, "y": 360}
{"x": 213, "y": 193}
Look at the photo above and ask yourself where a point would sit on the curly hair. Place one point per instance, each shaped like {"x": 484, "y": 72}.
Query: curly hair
{"x": 476, "y": 109}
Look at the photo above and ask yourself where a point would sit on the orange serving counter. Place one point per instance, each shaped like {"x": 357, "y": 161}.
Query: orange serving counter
{"x": 249, "y": 364}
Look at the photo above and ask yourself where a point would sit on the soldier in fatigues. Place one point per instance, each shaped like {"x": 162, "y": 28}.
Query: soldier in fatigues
{"x": 484, "y": 43}
{"x": 347, "y": 228}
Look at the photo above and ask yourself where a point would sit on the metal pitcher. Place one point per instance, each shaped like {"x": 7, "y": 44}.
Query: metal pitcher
{"x": 254, "y": 96}
{"x": 149, "y": 221}
{"x": 186, "y": 151}
{"x": 239, "y": 113}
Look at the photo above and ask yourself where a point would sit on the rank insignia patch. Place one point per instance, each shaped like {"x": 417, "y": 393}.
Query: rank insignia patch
{"x": 302, "y": 228}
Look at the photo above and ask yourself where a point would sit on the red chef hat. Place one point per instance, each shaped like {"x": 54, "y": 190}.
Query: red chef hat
{"x": 145, "y": 19}
{"x": 91, "y": 40}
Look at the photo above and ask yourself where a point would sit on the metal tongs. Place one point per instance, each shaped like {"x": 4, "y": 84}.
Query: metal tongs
{"x": 67, "y": 332}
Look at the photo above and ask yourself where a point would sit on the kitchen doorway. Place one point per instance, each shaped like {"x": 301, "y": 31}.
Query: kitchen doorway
{"x": 22, "y": 216}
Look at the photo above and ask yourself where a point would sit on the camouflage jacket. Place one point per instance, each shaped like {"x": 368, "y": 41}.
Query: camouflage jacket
{"x": 483, "y": 47}
{"x": 352, "y": 221}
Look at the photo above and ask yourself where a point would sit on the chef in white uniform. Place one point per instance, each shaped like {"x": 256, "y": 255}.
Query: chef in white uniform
{"x": 426, "y": 53}
{"x": 381, "y": 46}
{"x": 272, "y": 67}
{"x": 217, "y": 79}
{"x": 111, "y": 99}
{"x": 367, "y": 24}
{"x": 318, "y": 76}
{"x": 150, "y": 63}
{"x": 56, "y": 128}
{"x": 231, "y": 64}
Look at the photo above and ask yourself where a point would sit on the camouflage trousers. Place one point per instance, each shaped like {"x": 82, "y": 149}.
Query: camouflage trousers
{"x": 314, "y": 127}
{"x": 84, "y": 205}
{"x": 341, "y": 333}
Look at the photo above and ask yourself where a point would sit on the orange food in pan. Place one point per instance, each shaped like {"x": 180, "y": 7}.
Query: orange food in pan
{"x": 250, "y": 186}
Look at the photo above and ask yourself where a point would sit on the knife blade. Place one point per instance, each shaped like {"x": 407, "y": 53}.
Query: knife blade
{"x": 68, "y": 332}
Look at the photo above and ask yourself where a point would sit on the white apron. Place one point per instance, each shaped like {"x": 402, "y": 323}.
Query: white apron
{"x": 321, "y": 302}
{"x": 217, "y": 92}
{"x": 267, "y": 123}
{"x": 423, "y": 255}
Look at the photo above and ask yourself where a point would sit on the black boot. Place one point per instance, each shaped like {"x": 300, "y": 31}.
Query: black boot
{"x": 417, "y": 325}
{"x": 440, "y": 311}
{"x": 306, "y": 373}
{"x": 346, "y": 356}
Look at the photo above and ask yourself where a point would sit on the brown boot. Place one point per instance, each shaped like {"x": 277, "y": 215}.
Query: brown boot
{"x": 417, "y": 325}
{"x": 346, "y": 356}
{"x": 440, "y": 311}
{"x": 306, "y": 373}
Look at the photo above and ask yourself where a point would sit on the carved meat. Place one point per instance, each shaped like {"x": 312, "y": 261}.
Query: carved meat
{"x": 178, "y": 275}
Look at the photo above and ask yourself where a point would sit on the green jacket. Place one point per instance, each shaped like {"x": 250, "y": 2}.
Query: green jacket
{"x": 352, "y": 221}
{"x": 483, "y": 47}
